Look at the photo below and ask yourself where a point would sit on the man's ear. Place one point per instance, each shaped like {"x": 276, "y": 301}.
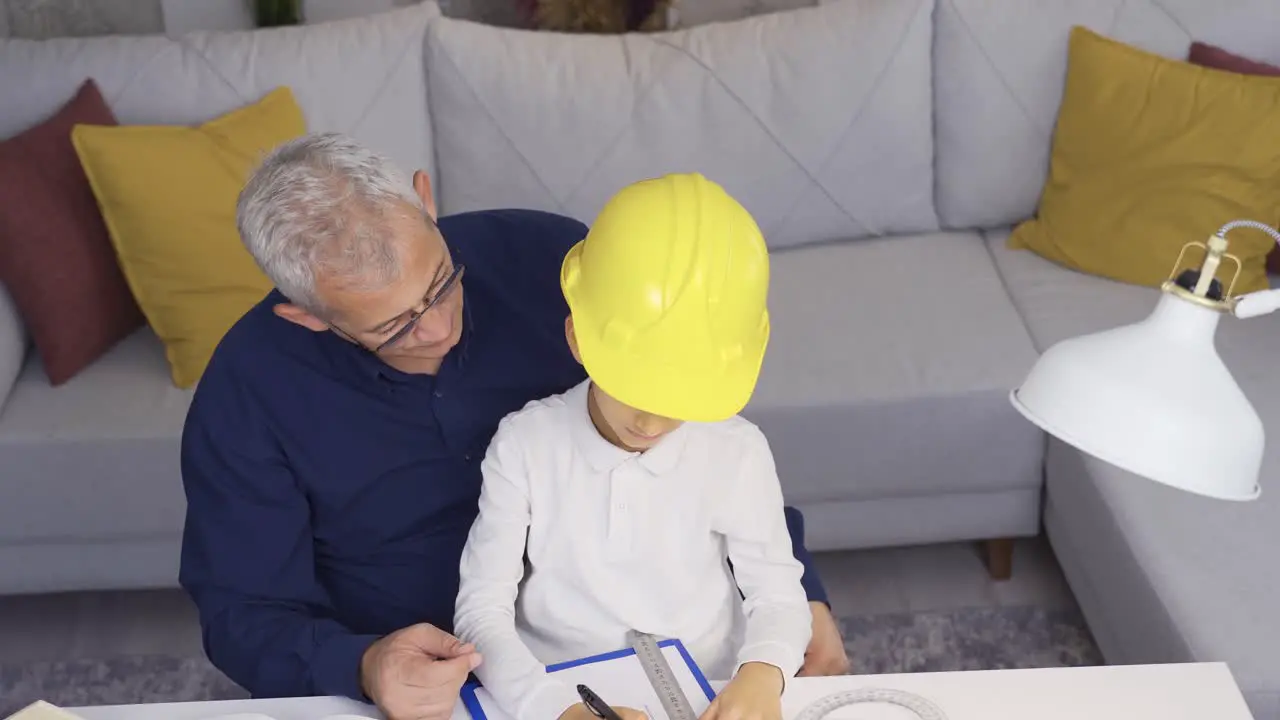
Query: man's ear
{"x": 571, "y": 338}
{"x": 298, "y": 316}
{"x": 422, "y": 186}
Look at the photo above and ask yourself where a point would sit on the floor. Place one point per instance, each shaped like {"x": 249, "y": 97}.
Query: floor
{"x": 936, "y": 577}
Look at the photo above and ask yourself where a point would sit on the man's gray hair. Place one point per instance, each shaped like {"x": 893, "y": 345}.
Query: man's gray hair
{"x": 320, "y": 204}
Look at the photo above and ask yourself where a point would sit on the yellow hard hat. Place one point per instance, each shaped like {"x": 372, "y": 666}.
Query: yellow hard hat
{"x": 668, "y": 297}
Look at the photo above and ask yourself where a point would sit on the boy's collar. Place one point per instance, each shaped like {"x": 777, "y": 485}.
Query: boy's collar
{"x": 603, "y": 455}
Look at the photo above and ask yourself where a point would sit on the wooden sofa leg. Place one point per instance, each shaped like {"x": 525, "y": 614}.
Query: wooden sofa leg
{"x": 999, "y": 557}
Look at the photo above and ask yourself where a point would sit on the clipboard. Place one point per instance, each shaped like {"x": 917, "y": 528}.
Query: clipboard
{"x": 619, "y": 677}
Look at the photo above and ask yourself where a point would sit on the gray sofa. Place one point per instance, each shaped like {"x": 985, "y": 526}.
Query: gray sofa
{"x": 885, "y": 146}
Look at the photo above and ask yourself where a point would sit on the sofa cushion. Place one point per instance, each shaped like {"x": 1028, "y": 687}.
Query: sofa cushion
{"x": 13, "y": 344}
{"x": 1219, "y": 59}
{"x": 1058, "y": 303}
{"x": 876, "y": 387}
{"x": 363, "y": 76}
{"x": 168, "y": 194}
{"x": 1147, "y": 149}
{"x": 55, "y": 256}
{"x": 97, "y": 458}
{"x": 1215, "y": 57}
{"x": 1000, "y": 72}
{"x": 1210, "y": 565}
{"x": 818, "y": 120}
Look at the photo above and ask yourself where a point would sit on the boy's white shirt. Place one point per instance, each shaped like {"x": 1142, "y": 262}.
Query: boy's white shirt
{"x": 618, "y": 540}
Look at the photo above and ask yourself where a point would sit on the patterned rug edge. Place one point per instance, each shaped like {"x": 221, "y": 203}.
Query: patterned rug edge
{"x": 969, "y": 639}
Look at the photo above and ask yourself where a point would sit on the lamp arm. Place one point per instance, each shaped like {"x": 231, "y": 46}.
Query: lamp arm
{"x": 1255, "y": 304}
{"x": 1263, "y": 302}
{"x": 1222, "y": 231}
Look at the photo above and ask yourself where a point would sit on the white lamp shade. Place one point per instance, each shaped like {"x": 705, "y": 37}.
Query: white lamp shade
{"x": 1152, "y": 398}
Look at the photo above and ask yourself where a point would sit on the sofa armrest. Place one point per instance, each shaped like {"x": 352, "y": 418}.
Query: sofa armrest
{"x": 13, "y": 344}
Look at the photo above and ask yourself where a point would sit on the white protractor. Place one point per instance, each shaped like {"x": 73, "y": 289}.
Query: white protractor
{"x": 823, "y": 706}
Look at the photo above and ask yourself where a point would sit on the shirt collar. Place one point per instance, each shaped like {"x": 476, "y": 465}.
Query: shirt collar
{"x": 603, "y": 455}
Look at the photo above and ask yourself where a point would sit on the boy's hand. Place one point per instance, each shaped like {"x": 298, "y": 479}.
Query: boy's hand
{"x": 582, "y": 712}
{"x": 755, "y": 693}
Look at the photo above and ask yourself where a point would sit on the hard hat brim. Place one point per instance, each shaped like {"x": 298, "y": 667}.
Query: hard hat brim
{"x": 666, "y": 386}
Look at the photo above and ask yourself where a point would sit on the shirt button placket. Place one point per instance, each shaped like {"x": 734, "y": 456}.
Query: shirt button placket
{"x": 619, "y": 540}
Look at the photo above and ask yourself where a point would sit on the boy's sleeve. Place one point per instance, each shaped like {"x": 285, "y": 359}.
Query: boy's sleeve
{"x": 779, "y": 622}
{"x": 490, "y": 572}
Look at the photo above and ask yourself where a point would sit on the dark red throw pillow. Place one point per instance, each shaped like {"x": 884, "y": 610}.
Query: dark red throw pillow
{"x": 1210, "y": 56}
{"x": 56, "y": 258}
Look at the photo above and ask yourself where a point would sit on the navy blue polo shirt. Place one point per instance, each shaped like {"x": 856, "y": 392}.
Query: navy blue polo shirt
{"x": 330, "y": 495}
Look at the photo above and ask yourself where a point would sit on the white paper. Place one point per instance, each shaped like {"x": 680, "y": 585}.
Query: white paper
{"x": 41, "y": 710}
{"x": 622, "y": 682}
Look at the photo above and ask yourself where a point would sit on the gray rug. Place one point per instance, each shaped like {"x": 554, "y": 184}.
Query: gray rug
{"x": 978, "y": 639}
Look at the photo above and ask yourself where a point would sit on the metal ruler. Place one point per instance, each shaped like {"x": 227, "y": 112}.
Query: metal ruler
{"x": 661, "y": 678}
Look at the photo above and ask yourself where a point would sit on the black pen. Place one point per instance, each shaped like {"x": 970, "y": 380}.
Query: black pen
{"x": 597, "y": 706}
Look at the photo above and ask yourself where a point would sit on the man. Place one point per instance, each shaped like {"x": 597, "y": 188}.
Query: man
{"x": 331, "y": 455}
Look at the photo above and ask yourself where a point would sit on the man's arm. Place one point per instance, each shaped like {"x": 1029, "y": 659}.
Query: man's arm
{"x": 247, "y": 557}
{"x": 826, "y": 654}
{"x": 812, "y": 583}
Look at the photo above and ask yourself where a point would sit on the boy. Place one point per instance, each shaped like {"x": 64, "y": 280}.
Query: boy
{"x": 628, "y": 496}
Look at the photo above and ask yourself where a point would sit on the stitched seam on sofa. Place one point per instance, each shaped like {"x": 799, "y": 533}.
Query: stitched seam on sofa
{"x": 987, "y": 238}
{"x": 137, "y": 73}
{"x": 444, "y": 53}
{"x": 1172, "y": 18}
{"x": 185, "y": 44}
{"x": 431, "y": 151}
{"x": 995, "y": 71}
{"x": 933, "y": 118}
{"x": 763, "y": 127}
{"x": 606, "y": 150}
{"x": 1115, "y": 18}
{"x": 857, "y": 115}
{"x": 376, "y": 97}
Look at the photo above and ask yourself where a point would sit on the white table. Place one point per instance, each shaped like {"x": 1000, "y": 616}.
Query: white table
{"x": 1135, "y": 692}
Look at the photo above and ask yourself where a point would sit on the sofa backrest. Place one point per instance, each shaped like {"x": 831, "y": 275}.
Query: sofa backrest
{"x": 363, "y": 76}
{"x": 13, "y": 344}
{"x": 818, "y": 120}
{"x": 844, "y": 120}
{"x": 1000, "y": 68}
{"x": 848, "y": 119}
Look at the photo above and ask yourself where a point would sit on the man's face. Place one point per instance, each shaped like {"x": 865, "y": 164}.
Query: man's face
{"x": 377, "y": 319}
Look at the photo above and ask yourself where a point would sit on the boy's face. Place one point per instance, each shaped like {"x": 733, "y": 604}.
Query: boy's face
{"x": 624, "y": 426}
{"x": 628, "y": 428}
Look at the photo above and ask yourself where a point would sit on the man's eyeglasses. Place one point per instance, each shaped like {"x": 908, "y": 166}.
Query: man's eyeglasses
{"x": 430, "y": 302}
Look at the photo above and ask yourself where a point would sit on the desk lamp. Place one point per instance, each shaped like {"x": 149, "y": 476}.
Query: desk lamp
{"x": 1154, "y": 398}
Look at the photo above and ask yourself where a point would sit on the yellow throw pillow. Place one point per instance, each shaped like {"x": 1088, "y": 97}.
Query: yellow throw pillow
{"x": 168, "y": 196}
{"x": 1150, "y": 154}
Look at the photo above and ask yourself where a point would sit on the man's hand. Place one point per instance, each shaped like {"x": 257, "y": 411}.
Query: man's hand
{"x": 826, "y": 655}
{"x": 416, "y": 673}
{"x": 582, "y": 712}
{"x": 754, "y": 693}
